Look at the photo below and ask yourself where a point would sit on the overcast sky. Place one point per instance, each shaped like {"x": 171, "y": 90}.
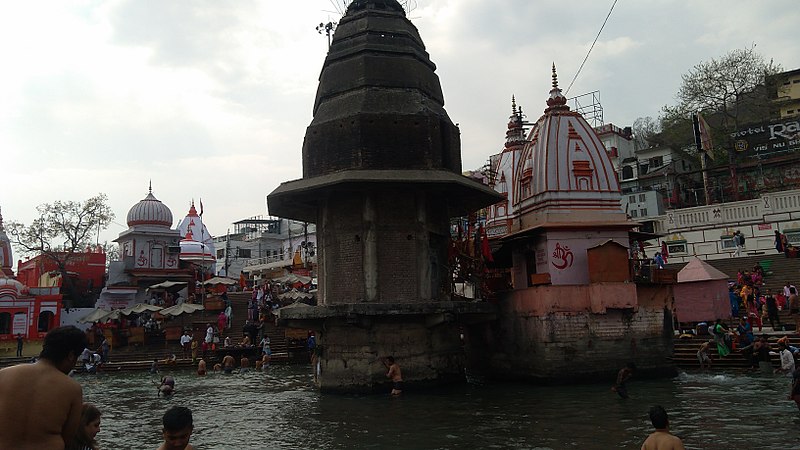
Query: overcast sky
{"x": 210, "y": 99}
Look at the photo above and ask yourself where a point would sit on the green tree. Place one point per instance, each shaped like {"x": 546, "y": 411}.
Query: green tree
{"x": 62, "y": 231}
{"x": 730, "y": 91}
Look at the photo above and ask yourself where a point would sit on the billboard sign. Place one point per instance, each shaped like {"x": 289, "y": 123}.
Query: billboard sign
{"x": 768, "y": 139}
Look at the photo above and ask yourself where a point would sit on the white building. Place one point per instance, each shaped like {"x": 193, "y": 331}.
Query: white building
{"x": 258, "y": 245}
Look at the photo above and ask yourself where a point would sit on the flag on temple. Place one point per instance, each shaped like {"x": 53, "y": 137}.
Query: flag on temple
{"x": 705, "y": 136}
{"x": 201, "y": 207}
{"x": 485, "y": 250}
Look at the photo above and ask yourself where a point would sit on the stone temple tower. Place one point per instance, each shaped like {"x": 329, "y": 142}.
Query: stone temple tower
{"x": 381, "y": 179}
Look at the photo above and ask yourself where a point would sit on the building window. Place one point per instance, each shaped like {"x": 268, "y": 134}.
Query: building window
{"x": 793, "y": 237}
{"x": 676, "y": 247}
{"x": 632, "y": 199}
{"x": 220, "y": 253}
{"x": 657, "y": 161}
{"x": 5, "y": 323}
{"x": 627, "y": 173}
{"x": 45, "y": 321}
{"x": 727, "y": 243}
{"x": 791, "y": 111}
{"x": 644, "y": 212}
{"x": 642, "y": 198}
{"x": 634, "y": 213}
{"x": 244, "y": 252}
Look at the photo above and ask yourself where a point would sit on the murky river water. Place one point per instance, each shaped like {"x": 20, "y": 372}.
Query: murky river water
{"x": 280, "y": 410}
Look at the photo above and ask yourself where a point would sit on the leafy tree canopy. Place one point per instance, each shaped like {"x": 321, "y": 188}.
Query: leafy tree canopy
{"x": 62, "y": 230}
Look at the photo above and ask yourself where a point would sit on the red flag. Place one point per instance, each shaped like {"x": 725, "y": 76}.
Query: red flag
{"x": 201, "y": 207}
{"x": 485, "y": 250}
{"x": 705, "y": 136}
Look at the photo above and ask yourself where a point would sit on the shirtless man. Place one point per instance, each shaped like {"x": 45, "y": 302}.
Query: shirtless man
{"x": 394, "y": 374}
{"x": 201, "y": 367}
{"x": 661, "y": 439}
{"x": 40, "y": 406}
{"x": 178, "y": 427}
{"x": 167, "y": 386}
{"x": 228, "y": 364}
{"x": 622, "y": 377}
{"x": 703, "y": 356}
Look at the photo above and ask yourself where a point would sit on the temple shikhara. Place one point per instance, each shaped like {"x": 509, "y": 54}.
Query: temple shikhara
{"x": 573, "y": 310}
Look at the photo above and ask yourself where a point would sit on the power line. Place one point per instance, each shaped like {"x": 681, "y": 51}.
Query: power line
{"x": 590, "y": 48}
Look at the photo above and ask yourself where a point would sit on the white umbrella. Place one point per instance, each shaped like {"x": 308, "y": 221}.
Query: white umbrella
{"x": 140, "y": 308}
{"x": 294, "y": 294}
{"x": 169, "y": 285}
{"x": 94, "y": 316}
{"x": 177, "y": 310}
{"x": 220, "y": 280}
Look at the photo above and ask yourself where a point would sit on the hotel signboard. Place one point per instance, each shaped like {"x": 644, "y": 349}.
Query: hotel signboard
{"x": 768, "y": 139}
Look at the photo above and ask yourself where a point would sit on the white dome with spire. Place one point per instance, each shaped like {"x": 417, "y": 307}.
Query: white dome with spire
{"x": 573, "y": 178}
{"x": 194, "y": 223}
{"x": 150, "y": 211}
{"x": 194, "y": 251}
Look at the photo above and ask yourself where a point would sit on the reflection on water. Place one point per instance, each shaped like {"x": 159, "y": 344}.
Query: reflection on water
{"x": 280, "y": 410}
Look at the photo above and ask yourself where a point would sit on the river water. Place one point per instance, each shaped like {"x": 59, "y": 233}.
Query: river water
{"x": 280, "y": 409}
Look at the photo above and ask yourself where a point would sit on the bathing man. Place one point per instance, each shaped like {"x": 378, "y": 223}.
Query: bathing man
{"x": 40, "y": 406}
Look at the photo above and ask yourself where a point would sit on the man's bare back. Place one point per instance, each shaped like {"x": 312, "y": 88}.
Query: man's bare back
{"x": 40, "y": 407}
{"x": 662, "y": 440}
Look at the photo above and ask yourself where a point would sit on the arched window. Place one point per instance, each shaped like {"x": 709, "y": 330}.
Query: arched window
{"x": 5, "y": 323}
{"x": 46, "y": 319}
{"x": 627, "y": 173}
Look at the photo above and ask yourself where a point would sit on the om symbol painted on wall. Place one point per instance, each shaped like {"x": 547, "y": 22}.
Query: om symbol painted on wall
{"x": 562, "y": 256}
{"x": 141, "y": 261}
{"x": 171, "y": 262}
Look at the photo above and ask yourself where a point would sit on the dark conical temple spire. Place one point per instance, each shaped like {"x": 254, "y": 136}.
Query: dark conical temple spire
{"x": 357, "y": 5}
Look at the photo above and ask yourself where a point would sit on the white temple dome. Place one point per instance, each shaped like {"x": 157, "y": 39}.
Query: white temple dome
{"x": 10, "y": 287}
{"x": 194, "y": 223}
{"x": 192, "y": 250}
{"x": 150, "y": 211}
{"x": 573, "y": 178}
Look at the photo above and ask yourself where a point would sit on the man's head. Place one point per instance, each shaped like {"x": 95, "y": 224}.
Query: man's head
{"x": 658, "y": 417}
{"x": 631, "y": 366}
{"x": 390, "y": 359}
{"x": 62, "y": 346}
{"x": 178, "y": 427}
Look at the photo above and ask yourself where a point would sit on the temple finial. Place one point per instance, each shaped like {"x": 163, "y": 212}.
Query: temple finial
{"x": 513, "y": 105}
{"x": 150, "y": 187}
{"x": 555, "y": 77}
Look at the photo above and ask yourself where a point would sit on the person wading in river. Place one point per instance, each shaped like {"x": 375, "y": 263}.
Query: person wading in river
{"x": 40, "y": 406}
{"x": 661, "y": 439}
{"x": 622, "y": 377}
{"x": 394, "y": 374}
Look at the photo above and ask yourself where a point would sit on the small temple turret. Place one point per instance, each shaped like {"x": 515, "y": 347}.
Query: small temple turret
{"x": 6, "y": 257}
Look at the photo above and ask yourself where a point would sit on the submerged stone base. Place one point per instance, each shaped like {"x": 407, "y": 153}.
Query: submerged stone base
{"x": 424, "y": 339}
{"x": 583, "y": 345}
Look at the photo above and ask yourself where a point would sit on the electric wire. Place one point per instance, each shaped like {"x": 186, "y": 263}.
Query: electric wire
{"x": 590, "y": 48}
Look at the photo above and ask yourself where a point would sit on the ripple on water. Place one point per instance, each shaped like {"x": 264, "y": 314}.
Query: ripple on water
{"x": 280, "y": 410}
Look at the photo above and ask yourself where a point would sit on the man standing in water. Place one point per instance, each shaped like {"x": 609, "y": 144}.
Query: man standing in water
{"x": 622, "y": 377}
{"x": 394, "y": 374}
{"x": 178, "y": 427}
{"x": 40, "y": 406}
{"x": 661, "y": 439}
{"x": 228, "y": 364}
